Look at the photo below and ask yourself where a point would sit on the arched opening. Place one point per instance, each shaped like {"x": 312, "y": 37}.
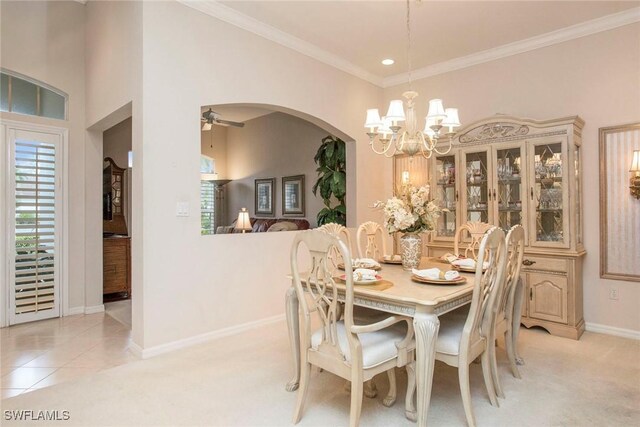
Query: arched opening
{"x": 283, "y": 169}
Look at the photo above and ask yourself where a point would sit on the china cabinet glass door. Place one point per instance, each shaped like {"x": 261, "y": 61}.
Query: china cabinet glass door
{"x": 510, "y": 198}
{"x": 477, "y": 195}
{"x": 446, "y": 192}
{"x": 548, "y": 193}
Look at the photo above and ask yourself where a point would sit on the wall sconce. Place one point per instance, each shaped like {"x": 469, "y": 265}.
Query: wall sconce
{"x": 405, "y": 177}
{"x": 634, "y": 183}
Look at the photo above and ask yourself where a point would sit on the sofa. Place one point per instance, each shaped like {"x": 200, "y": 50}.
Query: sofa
{"x": 262, "y": 225}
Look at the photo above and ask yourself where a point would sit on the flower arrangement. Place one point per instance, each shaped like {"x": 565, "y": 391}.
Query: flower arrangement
{"x": 410, "y": 212}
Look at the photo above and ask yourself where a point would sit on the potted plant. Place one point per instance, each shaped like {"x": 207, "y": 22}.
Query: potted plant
{"x": 332, "y": 180}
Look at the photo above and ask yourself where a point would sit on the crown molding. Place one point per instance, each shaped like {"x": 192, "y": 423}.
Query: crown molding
{"x": 233, "y": 17}
{"x": 238, "y": 19}
{"x": 572, "y": 32}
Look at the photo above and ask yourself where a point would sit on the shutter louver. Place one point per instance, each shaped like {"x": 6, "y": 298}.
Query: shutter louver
{"x": 35, "y": 227}
{"x": 207, "y": 207}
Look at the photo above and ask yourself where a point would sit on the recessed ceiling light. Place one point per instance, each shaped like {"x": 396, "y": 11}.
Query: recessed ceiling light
{"x": 388, "y": 61}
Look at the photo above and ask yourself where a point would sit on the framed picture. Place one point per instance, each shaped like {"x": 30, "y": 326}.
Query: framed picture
{"x": 264, "y": 196}
{"x": 293, "y": 195}
{"x": 619, "y": 210}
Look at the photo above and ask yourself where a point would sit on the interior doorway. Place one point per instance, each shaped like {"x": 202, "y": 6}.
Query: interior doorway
{"x": 116, "y": 216}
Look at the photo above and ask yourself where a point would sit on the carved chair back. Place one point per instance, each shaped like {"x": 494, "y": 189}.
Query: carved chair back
{"x": 487, "y": 290}
{"x": 515, "y": 246}
{"x": 341, "y": 233}
{"x": 323, "y": 295}
{"x": 376, "y": 246}
{"x": 476, "y": 230}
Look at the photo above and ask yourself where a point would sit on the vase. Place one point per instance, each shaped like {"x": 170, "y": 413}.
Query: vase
{"x": 410, "y": 250}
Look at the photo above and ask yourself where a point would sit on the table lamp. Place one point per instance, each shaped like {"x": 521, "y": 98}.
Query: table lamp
{"x": 243, "y": 223}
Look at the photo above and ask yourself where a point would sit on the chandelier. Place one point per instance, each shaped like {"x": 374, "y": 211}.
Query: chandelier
{"x": 387, "y": 133}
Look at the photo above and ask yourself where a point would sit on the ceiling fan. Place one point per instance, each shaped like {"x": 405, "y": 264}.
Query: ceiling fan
{"x": 210, "y": 118}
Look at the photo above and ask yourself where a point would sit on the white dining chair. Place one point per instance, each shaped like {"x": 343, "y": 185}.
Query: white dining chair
{"x": 464, "y": 336}
{"x": 506, "y": 306}
{"x": 476, "y": 230}
{"x": 362, "y": 314}
{"x": 356, "y": 352}
{"x": 372, "y": 235}
{"x": 342, "y": 233}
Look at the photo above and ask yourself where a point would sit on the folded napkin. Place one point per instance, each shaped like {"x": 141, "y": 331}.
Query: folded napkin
{"x": 392, "y": 258}
{"x": 365, "y": 263}
{"x": 468, "y": 263}
{"x": 436, "y": 274}
{"x": 360, "y": 274}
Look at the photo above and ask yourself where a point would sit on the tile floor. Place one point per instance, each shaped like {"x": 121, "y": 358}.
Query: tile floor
{"x": 40, "y": 354}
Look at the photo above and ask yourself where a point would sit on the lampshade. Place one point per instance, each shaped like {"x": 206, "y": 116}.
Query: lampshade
{"x": 452, "y": 119}
{"x": 384, "y": 128}
{"x": 436, "y": 109}
{"x": 396, "y": 111}
{"x": 430, "y": 121}
{"x": 373, "y": 118}
{"x": 206, "y": 126}
{"x": 243, "y": 223}
{"x": 635, "y": 162}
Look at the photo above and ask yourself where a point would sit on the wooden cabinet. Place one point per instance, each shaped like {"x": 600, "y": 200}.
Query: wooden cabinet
{"x": 116, "y": 265}
{"x": 506, "y": 171}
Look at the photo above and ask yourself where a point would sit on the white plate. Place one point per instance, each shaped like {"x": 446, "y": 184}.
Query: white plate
{"x": 363, "y": 282}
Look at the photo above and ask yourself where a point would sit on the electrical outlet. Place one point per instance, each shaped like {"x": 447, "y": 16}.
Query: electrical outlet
{"x": 613, "y": 293}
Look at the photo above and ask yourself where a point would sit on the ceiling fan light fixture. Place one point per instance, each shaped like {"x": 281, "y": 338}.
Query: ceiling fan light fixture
{"x": 207, "y": 126}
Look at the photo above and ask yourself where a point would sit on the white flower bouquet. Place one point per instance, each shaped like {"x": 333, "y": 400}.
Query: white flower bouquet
{"x": 410, "y": 212}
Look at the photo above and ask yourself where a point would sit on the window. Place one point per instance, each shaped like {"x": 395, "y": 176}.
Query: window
{"x": 19, "y": 94}
{"x": 207, "y": 196}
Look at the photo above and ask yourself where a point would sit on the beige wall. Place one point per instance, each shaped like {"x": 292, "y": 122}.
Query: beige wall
{"x": 116, "y": 144}
{"x": 197, "y": 284}
{"x": 272, "y": 146}
{"x": 114, "y": 92}
{"x": 45, "y": 41}
{"x": 596, "y": 77}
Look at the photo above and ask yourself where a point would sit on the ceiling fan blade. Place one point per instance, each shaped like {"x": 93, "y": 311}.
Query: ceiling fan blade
{"x": 230, "y": 123}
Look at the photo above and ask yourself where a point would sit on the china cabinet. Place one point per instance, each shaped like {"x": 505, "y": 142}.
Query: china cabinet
{"x": 506, "y": 171}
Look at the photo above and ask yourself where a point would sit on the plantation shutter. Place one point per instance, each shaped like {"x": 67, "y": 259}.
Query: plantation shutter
{"x": 36, "y": 214}
{"x": 207, "y": 207}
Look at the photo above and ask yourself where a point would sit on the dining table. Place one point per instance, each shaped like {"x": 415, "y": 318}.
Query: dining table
{"x": 398, "y": 293}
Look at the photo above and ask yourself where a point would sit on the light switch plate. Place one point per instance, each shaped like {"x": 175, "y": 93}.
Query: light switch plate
{"x": 182, "y": 209}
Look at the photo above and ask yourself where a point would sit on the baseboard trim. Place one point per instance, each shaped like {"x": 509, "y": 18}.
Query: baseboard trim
{"x": 611, "y": 330}
{"x": 75, "y": 310}
{"x": 94, "y": 309}
{"x": 145, "y": 353}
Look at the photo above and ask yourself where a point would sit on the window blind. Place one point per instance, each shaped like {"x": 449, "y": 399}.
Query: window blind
{"x": 207, "y": 207}
{"x": 35, "y": 228}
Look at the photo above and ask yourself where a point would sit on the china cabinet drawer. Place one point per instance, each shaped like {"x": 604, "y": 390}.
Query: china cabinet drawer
{"x": 547, "y": 297}
{"x": 536, "y": 263}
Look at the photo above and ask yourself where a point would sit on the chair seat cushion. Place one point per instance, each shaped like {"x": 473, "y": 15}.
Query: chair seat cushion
{"x": 377, "y": 347}
{"x": 451, "y": 326}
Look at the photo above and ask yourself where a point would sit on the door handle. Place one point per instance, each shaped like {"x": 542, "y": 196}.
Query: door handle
{"x": 456, "y": 195}
{"x": 531, "y": 294}
{"x": 494, "y": 194}
{"x": 489, "y": 194}
{"x": 527, "y": 262}
{"x": 531, "y": 193}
